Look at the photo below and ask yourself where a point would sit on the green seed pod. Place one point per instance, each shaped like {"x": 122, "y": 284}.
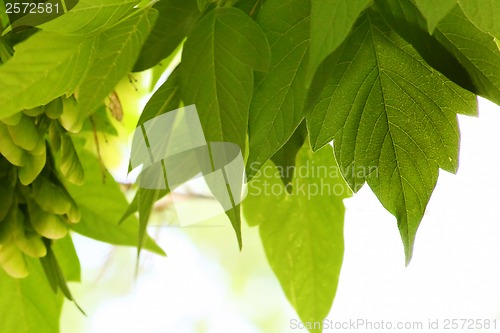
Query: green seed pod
{"x": 50, "y": 197}
{"x": 12, "y": 260}
{"x": 35, "y": 112}
{"x": 54, "y": 109}
{"x": 74, "y": 215}
{"x": 32, "y": 245}
{"x": 28, "y": 241}
{"x": 55, "y": 135}
{"x": 71, "y": 118}
{"x": 70, "y": 164}
{"x": 12, "y": 120}
{"x": 25, "y": 134}
{"x": 39, "y": 149}
{"x": 46, "y": 224}
{"x": 9, "y": 149}
{"x": 32, "y": 168}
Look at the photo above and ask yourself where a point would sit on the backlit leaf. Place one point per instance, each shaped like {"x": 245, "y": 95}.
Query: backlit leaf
{"x": 302, "y": 231}
{"x": 29, "y": 81}
{"x": 485, "y": 14}
{"x": 331, "y": 22}
{"x": 117, "y": 51}
{"x": 392, "y": 118}
{"x": 175, "y": 21}
{"x": 216, "y": 76}
{"x": 29, "y": 305}
{"x": 435, "y": 11}
{"x": 278, "y": 103}
{"x": 89, "y": 16}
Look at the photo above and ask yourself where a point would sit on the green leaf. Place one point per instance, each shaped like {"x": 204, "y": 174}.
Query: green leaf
{"x": 117, "y": 51}
{"x": 476, "y": 51}
{"x": 435, "y": 11}
{"x": 392, "y": 118}
{"x": 216, "y": 72}
{"x": 54, "y": 273}
{"x": 100, "y": 215}
{"x": 6, "y": 51}
{"x": 250, "y": 7}
{"x": 4, "y": 18}
{"x": 51, "y": 10}
{"x": 89, "y": 16}
{"x": 166, "y": 98}
{"x": 202, "y": 4}
{"x": 145, "y": 201}
{"x": 408, "y": 22}
{"x": 29, "y": 305}
{"x": 175, "y": 21}
{"x": 65, "y": 252}
{"x": 277, "y": 106}
{"x": 60, "y": 64}
{"x": 455, "y": 38}
{"x": 217, "y": 76}
{"x": 302, "y": 232}
{"x": 284, "y": 159}
{"x": 331, "y": 22}
{"x": 485, "y": 14}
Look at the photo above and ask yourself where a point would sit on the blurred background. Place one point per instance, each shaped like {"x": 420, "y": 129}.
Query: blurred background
{"x": 206, "y": 285}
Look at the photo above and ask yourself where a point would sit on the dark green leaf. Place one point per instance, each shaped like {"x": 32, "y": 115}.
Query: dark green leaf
{"x": 8, "y": 179}
{"x": 435, "y": 11}
{"x": 408, "y": 22}
{"x": 54, "y": 274}
{"x": 175, "y": 21}
{"x": 331, "y": 22}
{"x": 65, "y": 252}
{"x": 284, "y": 159}
{"x": 476, "y": 51}
{"x": 165, "y": 99}
{"x": 392, "y": 118}
{"x": 202, "y": 4}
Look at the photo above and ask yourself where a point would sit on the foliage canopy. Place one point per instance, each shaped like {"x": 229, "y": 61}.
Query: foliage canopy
{"x": 383, "y": 79}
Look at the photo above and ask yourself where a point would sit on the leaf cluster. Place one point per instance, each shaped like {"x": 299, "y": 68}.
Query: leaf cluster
{"x": 384, "y": 80}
